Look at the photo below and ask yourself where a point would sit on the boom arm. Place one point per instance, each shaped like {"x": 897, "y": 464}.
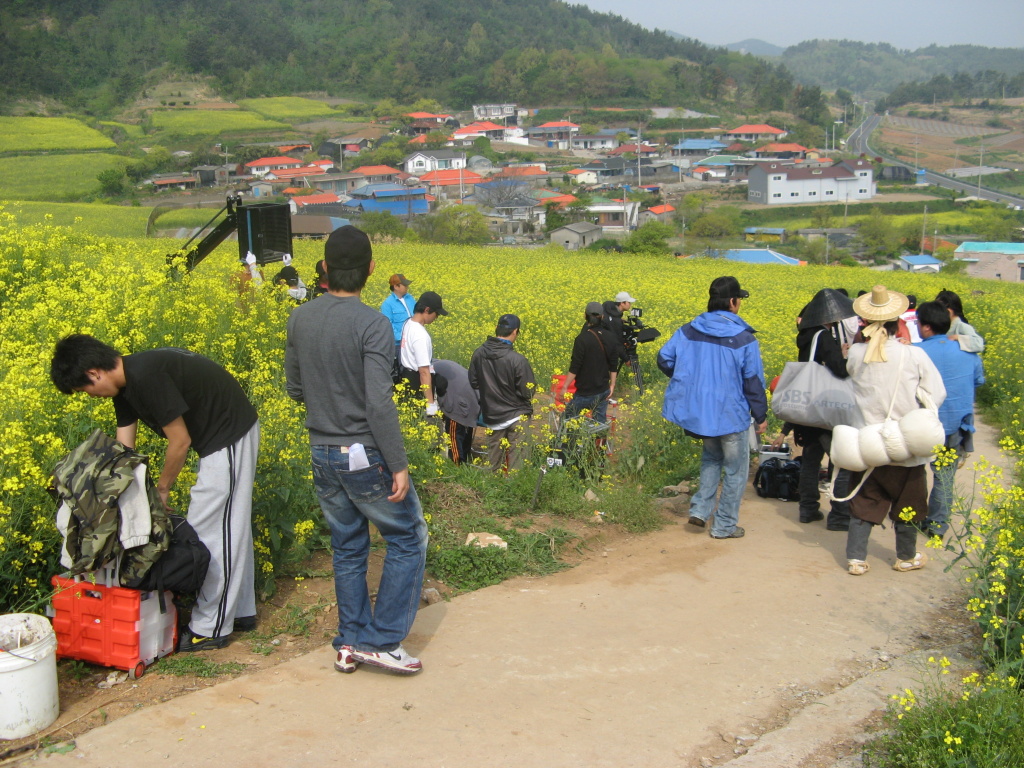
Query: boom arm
{"x": 215, "y": 237}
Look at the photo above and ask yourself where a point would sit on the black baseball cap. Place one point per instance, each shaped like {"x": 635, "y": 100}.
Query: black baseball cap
{"x": 432, "y": 300}
{"x": 595, "y": 308}
{"x": 511, "y": 322}
{"x": 727, "y": 287}
{"x": 348, "y": 248}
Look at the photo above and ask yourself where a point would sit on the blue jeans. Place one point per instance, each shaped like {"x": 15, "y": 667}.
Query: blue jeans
{"x": 596, "y": 404}
{"x": 940, "y": 499}
{"x": 731, "y": 454}
{"x": 351, "y": 501}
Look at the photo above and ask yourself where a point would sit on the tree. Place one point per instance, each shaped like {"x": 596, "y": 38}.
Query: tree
{"x": 651, "y": 237}
{"x": 878, "y": 236}
{"x": 462, "y": 224}
{"x": 821, "y": 217}
{"x": 382, "y": 223}
{"x": 501, "y": 192}
{"x": 113, "y": 182}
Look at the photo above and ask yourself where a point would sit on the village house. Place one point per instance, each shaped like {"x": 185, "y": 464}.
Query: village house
{"x": 312, "y": 203}
{"x": 392, "y": 198}
{"x": 643, "y": 149}
{"x": 995, "y": 261}
{"x": 379, "y": 174}
{"x": 506, "y": 114}
{"x": 557, "y": 134}
{"x": 615, "y": 215}
{"x": 759, "y": 132}
{"x": 426, "y": 160}
{"x": 264, "y": 165}
{"x": 759, "y": 256}
{"x": 662, "y": 213}
{"x": 582, "y": 176}
{"x": 696, "y": 148}
{"x": 785, "y": 183}
{"x": 573, "y": 237}
{"x": 467, "y": 133}
{"x": 782, "y": 151}
{"x": 593, "y": 143}
{"x": 173, "y": 181}
{"x": 922, "y": 263}
{"x": 451, "y": 183}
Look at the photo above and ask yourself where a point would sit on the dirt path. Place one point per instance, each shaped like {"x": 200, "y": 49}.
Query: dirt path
{"x": 662, "y": 650}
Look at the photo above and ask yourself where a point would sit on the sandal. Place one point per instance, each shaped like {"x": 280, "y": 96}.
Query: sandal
{"x": 911, "y": 565}
{"x": 857, "y": 567}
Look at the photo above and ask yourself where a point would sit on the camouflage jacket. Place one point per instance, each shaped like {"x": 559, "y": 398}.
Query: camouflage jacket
{"x": 91, "y": 484}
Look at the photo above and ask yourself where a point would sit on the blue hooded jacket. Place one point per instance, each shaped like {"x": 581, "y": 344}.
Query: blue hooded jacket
{"x": 717, "y": 379}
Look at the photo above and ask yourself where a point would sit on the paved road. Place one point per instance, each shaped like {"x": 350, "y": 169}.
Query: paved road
{"x": 656, "y": 652}
{"x": 859, "y": 143}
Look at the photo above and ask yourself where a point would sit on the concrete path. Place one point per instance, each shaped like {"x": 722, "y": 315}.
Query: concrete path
{"x": 657, "y": 653}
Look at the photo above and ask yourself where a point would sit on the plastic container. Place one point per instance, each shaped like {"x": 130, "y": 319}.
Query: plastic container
{"x": 113, "y": 626}
{"x": 28, "y": 675}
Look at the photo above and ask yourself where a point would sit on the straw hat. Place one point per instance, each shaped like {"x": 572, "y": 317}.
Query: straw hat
{"x": 881, "y": 305}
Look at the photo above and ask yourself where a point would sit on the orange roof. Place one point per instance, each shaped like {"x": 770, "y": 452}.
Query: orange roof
{"x": 783, "y": 148}
{"x": 290, "y": 147}
{"x": 320, "y": 199}
{"x": 295, "y": 173}
{"x": 760, "y": 128}
{"x": 273, "y": 161}
{"x": 560, "y": 200}
{"x": 700, "y": 169}
{"x": 559, "y": 124}
{"x": 420, "y": 139}
{"x": 293, "y": 190}
{"x": 659, "y": 209}
{"x": 529, "y": 170}
{"x": 426, "y": 116}
{"x": 577, "y": 171}
{"x": 376, "y": 170}
{"x": 451, "y": 176}
{"x": 479, "y": 128}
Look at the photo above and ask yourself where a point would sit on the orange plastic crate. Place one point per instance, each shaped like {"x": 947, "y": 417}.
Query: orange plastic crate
{"x": 113, "y": 626}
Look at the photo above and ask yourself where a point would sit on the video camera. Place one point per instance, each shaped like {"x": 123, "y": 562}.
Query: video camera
{"x": 634, "y": 331}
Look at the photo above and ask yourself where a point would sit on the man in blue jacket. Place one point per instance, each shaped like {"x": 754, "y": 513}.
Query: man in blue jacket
{"x": 717, "y": 384}
{"x": 961, "y": 373}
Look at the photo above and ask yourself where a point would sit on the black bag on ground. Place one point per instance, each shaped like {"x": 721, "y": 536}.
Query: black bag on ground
{"x": 182, "y": 568}
{"x": 778, "y": 479}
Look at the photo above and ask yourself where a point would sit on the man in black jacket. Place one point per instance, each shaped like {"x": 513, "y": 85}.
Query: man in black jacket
{"x": 506, "y": 384}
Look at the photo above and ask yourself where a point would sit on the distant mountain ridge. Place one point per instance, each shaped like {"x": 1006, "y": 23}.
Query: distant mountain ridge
{"x": 878, "y": 68}
{"x": 756, "y": 47}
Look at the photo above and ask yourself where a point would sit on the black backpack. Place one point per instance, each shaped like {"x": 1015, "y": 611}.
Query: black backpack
{"x": 778, "y": 479}
{"x": 182, "y": 568}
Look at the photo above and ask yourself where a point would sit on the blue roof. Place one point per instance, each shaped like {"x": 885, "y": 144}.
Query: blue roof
{"x": 700, "y": 144}
{"x": 397, "y": 207}
{"x": 920, "y": 260}
{"x": 765, "y": 230}
{"x": 1009, "y": 248}
{"x": 386, "y": 190}
{"x": 759, "y": 256}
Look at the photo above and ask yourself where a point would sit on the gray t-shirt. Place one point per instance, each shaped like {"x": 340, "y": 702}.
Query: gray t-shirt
{"x": 338, "y": 362}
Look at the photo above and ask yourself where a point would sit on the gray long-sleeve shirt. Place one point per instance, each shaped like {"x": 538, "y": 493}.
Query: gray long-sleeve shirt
{"x": 338, "y": 362}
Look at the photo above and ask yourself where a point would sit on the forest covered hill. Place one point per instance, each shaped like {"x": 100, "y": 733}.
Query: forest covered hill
{"x": 91, "y": 54}
{"x": 878, "y": 68}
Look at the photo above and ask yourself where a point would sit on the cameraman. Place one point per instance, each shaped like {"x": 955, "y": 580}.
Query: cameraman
{"x": 614, "y": 312}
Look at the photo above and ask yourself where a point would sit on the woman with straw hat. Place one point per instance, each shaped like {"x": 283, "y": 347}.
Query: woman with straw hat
{"x": 886, "y": 376}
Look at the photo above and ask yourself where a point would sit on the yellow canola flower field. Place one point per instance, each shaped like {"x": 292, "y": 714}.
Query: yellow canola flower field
{"x": 54, "y": 281}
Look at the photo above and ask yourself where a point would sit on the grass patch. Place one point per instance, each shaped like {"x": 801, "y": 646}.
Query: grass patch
{"x": 54, "y": 177}
{"x": 210, "y": 122}
{"x": 34, "y": 134}
{"x": 289, "y": 109}
{"x": 189, "y": 664}
{"x": 131, "y": 131}
{"x": 93, "y": 218}
{"x": 185, "y": 218}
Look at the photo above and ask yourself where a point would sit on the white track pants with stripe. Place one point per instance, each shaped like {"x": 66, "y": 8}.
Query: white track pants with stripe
{"x": 221, "y": 513}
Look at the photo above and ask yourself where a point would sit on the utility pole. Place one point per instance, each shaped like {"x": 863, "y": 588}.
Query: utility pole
{"x": 924, "y": 223}
{"x": 981, "y": 162}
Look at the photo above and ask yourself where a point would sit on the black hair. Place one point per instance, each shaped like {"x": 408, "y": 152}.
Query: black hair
{"x": 892, "y": 327}
{"x": 503, "y": 331}
{"x": 348, "y": 280}
{"x": 421, "y": 307}
{"x": 860, "y": 293}
{"x": 843, "y": 291}
{"x": 950, "y": 300}
{"x": 74, "y": 355}
{"x": 913, "y": 301}
{"x": 935, "y": 316}
{"x": 716, "y": 304}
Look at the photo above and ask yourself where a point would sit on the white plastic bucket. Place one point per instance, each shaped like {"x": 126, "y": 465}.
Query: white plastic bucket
{"x": 28, "y": 675}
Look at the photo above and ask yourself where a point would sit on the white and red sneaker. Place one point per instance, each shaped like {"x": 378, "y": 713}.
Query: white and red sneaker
{"x": 346, "y": 662}
{"x": 397, "y": 661}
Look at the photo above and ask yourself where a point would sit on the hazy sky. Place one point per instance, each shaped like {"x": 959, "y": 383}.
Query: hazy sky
{"x": 903, "y": 23}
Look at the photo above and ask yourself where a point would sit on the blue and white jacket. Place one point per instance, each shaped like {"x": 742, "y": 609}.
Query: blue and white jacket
{"x": 717, "y": 383}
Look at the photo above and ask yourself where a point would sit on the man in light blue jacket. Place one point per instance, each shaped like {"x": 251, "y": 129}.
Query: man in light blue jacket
{"x": 717, "y": 384}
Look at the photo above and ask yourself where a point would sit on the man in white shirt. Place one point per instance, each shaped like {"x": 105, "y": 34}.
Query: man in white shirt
{"x": 417, "y": 352}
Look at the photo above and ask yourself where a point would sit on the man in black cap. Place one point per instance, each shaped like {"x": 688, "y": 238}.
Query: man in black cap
{"x": 506, "y": 384}
{"x": 717, "y": 385}
{"x": 416, "y": 356}
{"x": 338, "y": 362}
{"x": 593, "y": 366}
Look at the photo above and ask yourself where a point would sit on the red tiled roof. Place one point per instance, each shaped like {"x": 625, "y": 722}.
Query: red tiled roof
{"x": 559, "y": 124}
{"x": 529, "y": 170}
{"x": 451, "y": 176}
{"x": 659, "y": 209}
{"x": 376, "y": 170}
{"x": 295, "y": 173}
{"x": 290, "y": 147}
{"x": 561, "y": 201}
{"x": 321, "y": 199}
{"x": 274, "y": 161}
{"x": 700, "y": 169}
{"x": 479, "y": 128}
{"x": 759, "y": 128}
{"x": 577, "y": 171}
{"x": 426, "y": 116}
{"x": 783, "y": 148}
{"x": 421, "y": 139}
{"x": 293, "y": 190}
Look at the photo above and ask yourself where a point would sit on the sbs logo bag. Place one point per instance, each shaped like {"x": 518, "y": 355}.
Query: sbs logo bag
{"x": 808, "y": 394}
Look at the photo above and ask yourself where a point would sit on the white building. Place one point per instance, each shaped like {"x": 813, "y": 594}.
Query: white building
{"x": 786, "y": 183}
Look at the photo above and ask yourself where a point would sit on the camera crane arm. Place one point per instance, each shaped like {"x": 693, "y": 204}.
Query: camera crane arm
{"x": 215, "y": 237}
